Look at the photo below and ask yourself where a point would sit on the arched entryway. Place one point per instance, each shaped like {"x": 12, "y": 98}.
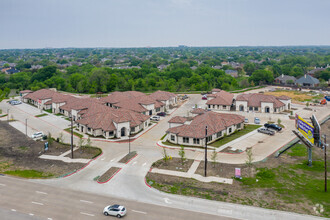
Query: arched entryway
{"x": 241, "y": 108}
{"x": 267, "y": 109}
{"x": 123, "y": 132}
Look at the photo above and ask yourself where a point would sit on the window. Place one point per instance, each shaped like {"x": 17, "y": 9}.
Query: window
{"x": 219, "y": 134}
{"x": 185, "y": 140}
{"x": 209, "y": 106}
{"x": 146, "y": 124}
{"x": 251, "y": 108}
{"x": 89, "y": 129}
{"x": 133, "y": 129}
{"x": 157, "y": 109}
{"x": 239, "y": 125}
{"x": 209, "y": 138}
{"x": 196, "y": 140}
{"x": 224, "y": 107}
{"x": 230, "y": 130}
{"x": 110, "y": 133}
{"x": 172, "y": 138}
{"x": 255, "y": 108}
{"x": 213, "y": 106}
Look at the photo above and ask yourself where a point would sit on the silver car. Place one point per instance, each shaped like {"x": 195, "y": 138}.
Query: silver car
{"x": 115, "y": 210}
{"x": 266, "y": 131}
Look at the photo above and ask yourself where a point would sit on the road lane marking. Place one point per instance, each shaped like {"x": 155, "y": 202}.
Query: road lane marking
{"x": 144, "y": 164}
{"x": 167, "y": 201}
{"x": 41, "y": 192}
{"x": 49, "y": 218}
{"x": 84, "y": 213}
{"x": 14, "y": 210}
{"x": 2, "y": 184}
{"x": 86, "y": 201}
{"x": 37, "y": 203}
{"x": 134, "y": 163}
{"x": 111, "y": 160}
{"x": 102, "y": 158}
{"x": 139, "y": 212}
{"x": 31, "y": 214}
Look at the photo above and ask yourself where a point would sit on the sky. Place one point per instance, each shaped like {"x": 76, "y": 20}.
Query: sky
{"x": 163, "y": 23}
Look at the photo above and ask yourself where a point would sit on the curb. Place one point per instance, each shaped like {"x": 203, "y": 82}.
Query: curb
{"x": 69, "y": 174}
{"x": 145, "y": 181}
{"x": 110, "y": 177}
{"x": 131, "y": 159}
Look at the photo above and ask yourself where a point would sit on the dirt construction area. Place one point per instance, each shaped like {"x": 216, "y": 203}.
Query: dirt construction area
{"x": 19, "y": 155}
{"x": 284, "y": 183}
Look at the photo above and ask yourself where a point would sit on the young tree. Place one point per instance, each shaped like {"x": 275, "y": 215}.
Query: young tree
{"x": 81, "y": 142}
{"x": 214, "y": 157}
{"x": 182, "y": 154}
{"x": 49, "y": 139}
{"x": 249, "y": 159}
{"x": 165, "y": 156}
{"x": 60, "y": 137}
{"x": 279, "y": 121}
{"x": 88, "y": 142}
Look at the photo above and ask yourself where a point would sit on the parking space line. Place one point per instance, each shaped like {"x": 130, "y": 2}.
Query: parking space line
{"x": 41, "y": 192}
{"x": 86, "y": 201}
{"x": 14, "y": 210}
{"x": 31, "y": 214}
{"x": 37, "y": 203}
{"x": 2, "y": 184}
{"x": 139, "y": 212}
{"x": 84, "y": 213}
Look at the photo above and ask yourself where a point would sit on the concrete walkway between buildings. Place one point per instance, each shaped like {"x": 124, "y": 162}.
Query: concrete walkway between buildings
{"x": 191, "y": 172}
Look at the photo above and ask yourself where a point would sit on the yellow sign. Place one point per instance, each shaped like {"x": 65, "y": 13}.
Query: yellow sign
{"x": 306, "y": 129}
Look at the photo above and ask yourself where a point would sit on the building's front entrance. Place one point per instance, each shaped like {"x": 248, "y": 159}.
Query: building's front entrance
{"x": 123, "y": 132}
{"x": 267, "y": 110}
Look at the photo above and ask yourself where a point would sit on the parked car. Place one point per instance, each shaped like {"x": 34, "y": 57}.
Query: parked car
{"x": 115, "y": 210}
{"x": 155, "y": 118}
{"x": 256, "y": 120}
{"x": 15, "y": 102}
{"x": 266, "y": 131}
{"x": 38, "y": 134}
{"x": 161, "y": 114}
{"x": 184, "y": 97}
{"x": 204, "y": 97}
{"x": 273, "y": 126}
{"x": 246, "y": 120}
{"x": 327, "y": 97}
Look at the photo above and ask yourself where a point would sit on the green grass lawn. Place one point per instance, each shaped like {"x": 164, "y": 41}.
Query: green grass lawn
{"x": 247, "y": 129}
{"x": 75, "y": 133}
{"x": 28, "y": 174}
{"x": 41, "y": 115}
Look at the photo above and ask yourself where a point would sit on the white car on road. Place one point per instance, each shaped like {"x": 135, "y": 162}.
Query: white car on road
{"x": 115, "y": 210}
{"x": 155, "y": 118}
{"x": 39, "y": 134}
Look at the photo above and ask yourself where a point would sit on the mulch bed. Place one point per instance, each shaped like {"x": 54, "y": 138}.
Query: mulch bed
{"x": 173, "y": 164}
{"x": 22, "y": 153}
{"x": 107, "y": 175}
{"x": 128, "y": 157}
{"x": 85, "y": 153}
{"x": 230, "y": 150}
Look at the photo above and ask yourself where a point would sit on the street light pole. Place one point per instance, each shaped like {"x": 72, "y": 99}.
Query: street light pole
{"x": 205, "y": 166}
{"x": 325, "y": 163}
{"x": 26, "y": 127}
{"x": 129, "y": 141}
{"x": 7, "y": 114}
{"x": 71, "y": 137}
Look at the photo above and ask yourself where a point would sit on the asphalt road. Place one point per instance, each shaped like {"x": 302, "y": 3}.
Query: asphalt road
{"x": 22, "y": 199}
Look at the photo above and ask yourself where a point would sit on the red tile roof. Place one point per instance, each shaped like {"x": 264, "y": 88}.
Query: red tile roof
{"x": 178, "y": 119}
{"x": 162, "y": 95}
{"x": 215, "y": 122}
{"x": 255, "y": 99}
{"x": 40, "y": 94}
{"x": 25, "y": 91}
{"x": 215, "y": 90}
{"x": 221, "y": 98}
{"x": 198, "y": 111}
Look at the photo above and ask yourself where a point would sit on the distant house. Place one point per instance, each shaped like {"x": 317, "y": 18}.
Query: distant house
{"x": 193, "y": 134}
{"x": 233, "y": 73}
{"x": 285, "y": 79}
{"x": 10, "y": 70}
{"x": 256, "y": 102}
{"x": 307, "y": 80}
{"x": 221, "y": 100}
